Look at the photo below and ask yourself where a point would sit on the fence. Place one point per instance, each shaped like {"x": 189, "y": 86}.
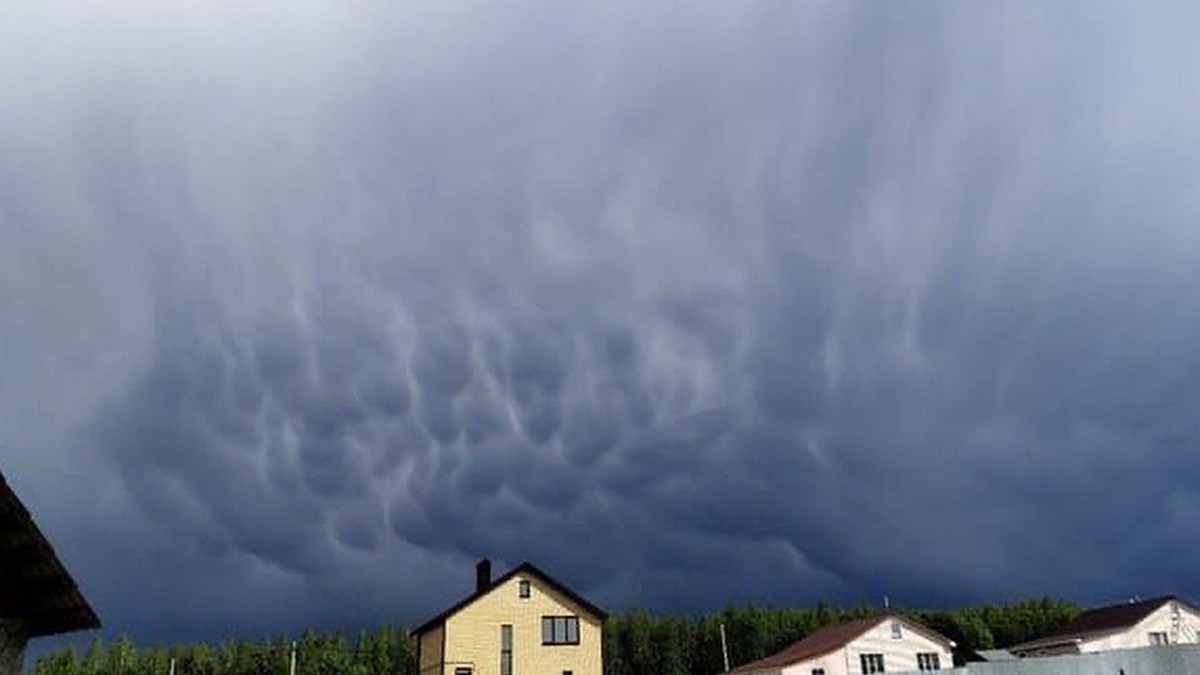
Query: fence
{"x": 1174, "y": 660}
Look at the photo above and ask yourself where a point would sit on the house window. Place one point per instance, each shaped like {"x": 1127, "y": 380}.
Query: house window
{"x": 818, "y": 671}
{"x": 560, "y": 630}
{"x": 524, "y": 588}
{"x": 897, "y": 632}
{"x": 568, "y": 672}
{"x": 506, "y": 644}
{"x": 928, "y": 661}
{"x": 462, "y": 670}
{"x": 871, "y": 663}
{"x": 1158, "y": 638}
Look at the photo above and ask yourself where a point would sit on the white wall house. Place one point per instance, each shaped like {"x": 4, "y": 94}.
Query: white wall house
{"x": 1160, "y": 621}
{"x": 879, "y": 644}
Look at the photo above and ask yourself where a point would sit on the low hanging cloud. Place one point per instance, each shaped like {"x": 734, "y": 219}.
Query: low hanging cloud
{"x": 307, "y": 306}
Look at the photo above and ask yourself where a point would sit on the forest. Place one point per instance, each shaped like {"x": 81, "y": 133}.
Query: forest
{"x": 635, "y": 642}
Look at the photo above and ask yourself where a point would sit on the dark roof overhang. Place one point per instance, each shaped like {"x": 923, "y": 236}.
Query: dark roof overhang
{"x": 35, "y": 588}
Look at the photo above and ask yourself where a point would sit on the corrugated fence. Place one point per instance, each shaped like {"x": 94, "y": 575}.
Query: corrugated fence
{"x": 1175, "y": 660}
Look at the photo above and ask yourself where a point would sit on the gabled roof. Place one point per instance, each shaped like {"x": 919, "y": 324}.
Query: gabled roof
{"x": 34, "y": 586}
{"x": 833, "y": 638}
{"x": 527, "y": 569}
{"x": 1101, "y": 621}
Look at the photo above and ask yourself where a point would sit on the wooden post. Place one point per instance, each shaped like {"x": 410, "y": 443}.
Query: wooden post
{"x": 724, "y": 648}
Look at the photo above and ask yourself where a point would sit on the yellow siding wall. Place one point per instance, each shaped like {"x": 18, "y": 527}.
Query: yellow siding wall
{"x": 473, "y": 633}
{"x": 431, "y": 651}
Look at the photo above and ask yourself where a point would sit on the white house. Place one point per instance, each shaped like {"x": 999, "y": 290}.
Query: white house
{"x": 1160, "y": 621}
{"x": 885, "y": 643}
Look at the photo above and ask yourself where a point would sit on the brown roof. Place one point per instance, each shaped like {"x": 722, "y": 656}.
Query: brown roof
{"x": 829, "y": 639}
{"x": 524, "y": 568}
{"x": 34, "y": 586}
{"x": 1101, "y": 621}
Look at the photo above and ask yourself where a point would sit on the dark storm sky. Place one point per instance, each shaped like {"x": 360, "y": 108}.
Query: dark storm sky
{"x": 306, "y": 305}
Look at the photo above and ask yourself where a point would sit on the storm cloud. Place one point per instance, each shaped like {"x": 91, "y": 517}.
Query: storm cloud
{"x": 305, "y": 306}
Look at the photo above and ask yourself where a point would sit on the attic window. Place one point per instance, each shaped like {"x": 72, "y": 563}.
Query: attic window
{"x": 523, "y": 588}
{"x": 1158, "y": 638}
{"x": 897, "y": 632}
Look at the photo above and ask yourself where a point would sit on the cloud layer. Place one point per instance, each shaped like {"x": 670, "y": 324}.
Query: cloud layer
{"x": 305, "y": 307}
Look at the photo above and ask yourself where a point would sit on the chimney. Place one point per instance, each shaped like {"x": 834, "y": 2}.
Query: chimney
{"x": 483, "y": 575}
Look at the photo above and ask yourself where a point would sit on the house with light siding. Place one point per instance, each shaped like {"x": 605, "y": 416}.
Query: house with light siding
{"x": 880, "y": 644}
{"x": 1166, "y": 620}
{"x": 37, "y": 596}
{"x": 522, "y": 623}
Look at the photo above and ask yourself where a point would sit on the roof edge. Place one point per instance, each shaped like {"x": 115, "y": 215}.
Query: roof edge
{"x": 525, "y": 567}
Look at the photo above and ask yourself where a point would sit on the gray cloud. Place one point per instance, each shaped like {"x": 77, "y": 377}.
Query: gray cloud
{"x": 305, "y": 308}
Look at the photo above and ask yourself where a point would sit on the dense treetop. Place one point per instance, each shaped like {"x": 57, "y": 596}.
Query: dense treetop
{"x": 635, "y": 643}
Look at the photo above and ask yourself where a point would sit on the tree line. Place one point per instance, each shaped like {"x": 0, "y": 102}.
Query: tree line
{"x": 635, "y": 643}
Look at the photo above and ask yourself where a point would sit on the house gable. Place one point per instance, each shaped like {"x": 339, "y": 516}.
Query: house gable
{"x": 527, "y": 570}
{"x": 898, "y": 653}
{"x": 473, "y": 633}
{"x": 1124, "y": 626}
{"x": 1175, "y": 621}
{"x": 525, "y": 619}
{"x": 837, "y": 649}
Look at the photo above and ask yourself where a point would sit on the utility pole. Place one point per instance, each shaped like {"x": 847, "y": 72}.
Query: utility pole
{"x": 172, "y": 665}
{"x": 724, "y": 648}
{"x": 292, "y": 666}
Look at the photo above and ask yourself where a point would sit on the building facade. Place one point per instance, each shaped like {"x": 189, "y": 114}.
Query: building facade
{"x": 523, "y": 623}
{"x": 1166, "y": 620}
{"x": 879, "y": 644}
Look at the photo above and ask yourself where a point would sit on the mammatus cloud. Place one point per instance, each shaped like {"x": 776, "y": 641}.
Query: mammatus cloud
{"x": 303, "y": 309}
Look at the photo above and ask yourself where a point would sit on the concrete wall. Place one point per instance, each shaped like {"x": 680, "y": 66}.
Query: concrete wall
{"x": 12, "y": 648}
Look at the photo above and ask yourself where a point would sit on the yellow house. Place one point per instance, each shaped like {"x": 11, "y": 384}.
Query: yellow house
{"x": 523, "y": 623}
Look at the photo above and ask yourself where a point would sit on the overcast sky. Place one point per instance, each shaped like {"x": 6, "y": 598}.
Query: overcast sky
{"x": 304, "y": 306}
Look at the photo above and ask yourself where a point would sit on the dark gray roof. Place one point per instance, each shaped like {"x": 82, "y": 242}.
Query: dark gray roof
{"x": 35, "y": 588}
